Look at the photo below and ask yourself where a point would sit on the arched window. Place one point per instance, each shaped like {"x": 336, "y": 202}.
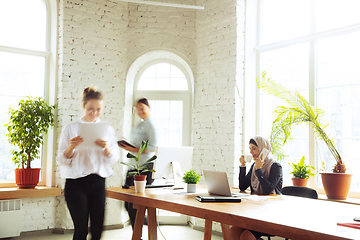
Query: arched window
{"x": 25, "y": 63}
{"x": 166, "y": 85}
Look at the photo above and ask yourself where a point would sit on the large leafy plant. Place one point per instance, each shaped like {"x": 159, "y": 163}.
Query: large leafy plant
{"x": 140, "y": 168}
{"x": 298, "y": 111}
{"x": 302, "y": 170}
{"x": 26, "y": 129}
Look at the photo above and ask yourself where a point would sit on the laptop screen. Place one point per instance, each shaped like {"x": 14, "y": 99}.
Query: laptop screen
{"x": 217, "y": 183}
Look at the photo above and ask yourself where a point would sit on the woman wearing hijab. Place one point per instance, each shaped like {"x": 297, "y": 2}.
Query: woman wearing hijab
{"x": 264, "y": 178}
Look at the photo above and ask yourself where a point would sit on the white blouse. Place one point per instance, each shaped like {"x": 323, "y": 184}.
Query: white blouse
{"x": 86, "y": 160}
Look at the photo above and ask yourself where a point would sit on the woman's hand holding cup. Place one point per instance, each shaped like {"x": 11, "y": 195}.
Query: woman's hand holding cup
{"x": 242, "y": 161}
{"x": 245, "y": 159}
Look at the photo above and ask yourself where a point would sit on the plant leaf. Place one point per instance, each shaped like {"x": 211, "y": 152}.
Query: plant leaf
{"x": 130, "y": 155}
{"x": 129, "y": 164}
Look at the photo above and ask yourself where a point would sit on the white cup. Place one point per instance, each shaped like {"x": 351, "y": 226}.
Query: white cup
{"x": 140, "y": 186}
{"x": 248, "y": 158}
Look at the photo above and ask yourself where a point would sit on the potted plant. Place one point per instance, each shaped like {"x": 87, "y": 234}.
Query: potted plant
{"x": 301, "y": 173}
{"x": 26, "y": 129}
{"x": 191, "y": 178}
{"x": 301, "y": 111}
{"x": 139, "y": 179}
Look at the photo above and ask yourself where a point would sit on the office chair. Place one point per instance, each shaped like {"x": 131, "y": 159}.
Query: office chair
{"x": 297, "y": 192}
{"x": 300, "y": 192}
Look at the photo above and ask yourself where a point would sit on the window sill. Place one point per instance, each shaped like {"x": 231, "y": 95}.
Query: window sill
{"x": 349, "y": 200}
{"x": 39, "y": 191}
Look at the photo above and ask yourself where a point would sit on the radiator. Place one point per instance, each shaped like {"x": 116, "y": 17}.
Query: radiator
{"x": 10, "y": 218}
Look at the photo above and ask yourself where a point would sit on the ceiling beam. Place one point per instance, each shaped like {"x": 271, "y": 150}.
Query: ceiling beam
{"x": 164, "y": 4}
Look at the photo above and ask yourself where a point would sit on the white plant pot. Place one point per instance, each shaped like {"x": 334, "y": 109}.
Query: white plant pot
{"x": 140, "y": 186}
{"x": 191, "y": 188}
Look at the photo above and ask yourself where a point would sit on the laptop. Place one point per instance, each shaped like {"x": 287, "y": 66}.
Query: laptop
{"x": 217, "y": 183}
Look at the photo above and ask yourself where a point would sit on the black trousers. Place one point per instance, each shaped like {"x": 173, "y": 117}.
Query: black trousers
{"x": 130, "y": 181}
{"x": 86, "y": 197}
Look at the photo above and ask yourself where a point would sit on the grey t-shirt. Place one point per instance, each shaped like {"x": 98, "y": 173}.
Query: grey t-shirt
{"x": 142, "y": 132}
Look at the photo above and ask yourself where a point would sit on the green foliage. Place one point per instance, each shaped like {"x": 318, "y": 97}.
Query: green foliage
{"x": 26, "y": 129}
{"x": 298, "y": 111}
{"x": 302, "y": 170}
{"x": 140, "y": 168}
{"x": 191, "y": 177}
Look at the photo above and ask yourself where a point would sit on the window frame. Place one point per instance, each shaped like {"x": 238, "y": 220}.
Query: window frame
{"x": 50, "y": 53}
{"x": 253, "y": 66}
{"x": 184, "y": 95}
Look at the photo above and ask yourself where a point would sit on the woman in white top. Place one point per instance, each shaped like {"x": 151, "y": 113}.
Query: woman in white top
{"x": 85, "y": 168}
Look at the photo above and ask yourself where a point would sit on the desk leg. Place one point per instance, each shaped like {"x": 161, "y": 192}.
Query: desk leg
{"x": 139, "y": 222}
{"x": 152, "y": 225}
{"x": 225, "y": 231}
{"x": 208, "y": 229}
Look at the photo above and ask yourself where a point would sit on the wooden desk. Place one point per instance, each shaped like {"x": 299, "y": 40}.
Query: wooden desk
{"x": 290, "y": 217}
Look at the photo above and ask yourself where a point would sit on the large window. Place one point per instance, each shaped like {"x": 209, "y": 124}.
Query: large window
{"x": 24, "y": 67}
{"x": 167, "y": 85}
{"x": 168, "y": 91}
{"x": 312, "y": 46}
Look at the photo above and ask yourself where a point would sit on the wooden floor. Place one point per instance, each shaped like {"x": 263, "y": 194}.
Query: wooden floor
{"x": 170, "y": 232}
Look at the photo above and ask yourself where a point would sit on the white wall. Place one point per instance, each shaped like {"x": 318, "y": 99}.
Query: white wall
{"x": 100, "y": 39}
{"x": 215, "y": 121}
{"x": 217, "y": 113}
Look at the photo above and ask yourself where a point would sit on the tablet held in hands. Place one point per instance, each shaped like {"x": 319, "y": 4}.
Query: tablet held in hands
{"x": 123, "y": 143}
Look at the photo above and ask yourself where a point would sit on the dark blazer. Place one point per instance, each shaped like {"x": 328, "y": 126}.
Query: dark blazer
{"x": 274, "y": 181}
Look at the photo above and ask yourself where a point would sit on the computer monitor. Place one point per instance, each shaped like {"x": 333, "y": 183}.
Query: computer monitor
{"x": 166, "y": 157}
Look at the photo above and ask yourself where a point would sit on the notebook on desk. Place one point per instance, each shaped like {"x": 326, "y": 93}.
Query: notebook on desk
{"x": 218, "y": 187}
{"x": 217, "y": 199}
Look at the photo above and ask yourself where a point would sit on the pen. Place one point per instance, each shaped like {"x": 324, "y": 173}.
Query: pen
{"x": 278, "y": 197}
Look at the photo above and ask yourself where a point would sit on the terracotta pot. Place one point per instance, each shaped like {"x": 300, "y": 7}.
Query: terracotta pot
{"x": 27, "y": 177}
{"x": 302, "y": 182}
{"x": 140, "y": 178}
{"x": 336, "y": 185}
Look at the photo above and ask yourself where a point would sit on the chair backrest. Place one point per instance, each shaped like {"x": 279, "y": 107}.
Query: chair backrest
{"x": 300, "y": 192}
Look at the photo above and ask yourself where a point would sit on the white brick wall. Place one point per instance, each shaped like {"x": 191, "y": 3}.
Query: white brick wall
{"x": 38, "y": 213}
{"x": 100, "y": 39}
{"x": 217, "y": 112}
{"x": 162, "y": 28}
{"x": 216, "y": 117}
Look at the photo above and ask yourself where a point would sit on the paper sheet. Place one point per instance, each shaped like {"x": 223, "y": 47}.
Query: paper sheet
{"x": 91, "y": 132}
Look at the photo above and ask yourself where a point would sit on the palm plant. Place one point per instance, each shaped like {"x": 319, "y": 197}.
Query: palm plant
{"x": 299, "y": 111}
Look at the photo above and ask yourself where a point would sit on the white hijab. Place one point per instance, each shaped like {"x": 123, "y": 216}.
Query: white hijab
{"x": 269, "y": 160}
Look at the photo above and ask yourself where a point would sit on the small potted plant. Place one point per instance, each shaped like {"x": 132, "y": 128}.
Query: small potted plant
{"x": 191, "y": 178}
{"x": 26, "y": 129}
{"x": 140, "y": 180}
{"x": 301, "y": 173}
